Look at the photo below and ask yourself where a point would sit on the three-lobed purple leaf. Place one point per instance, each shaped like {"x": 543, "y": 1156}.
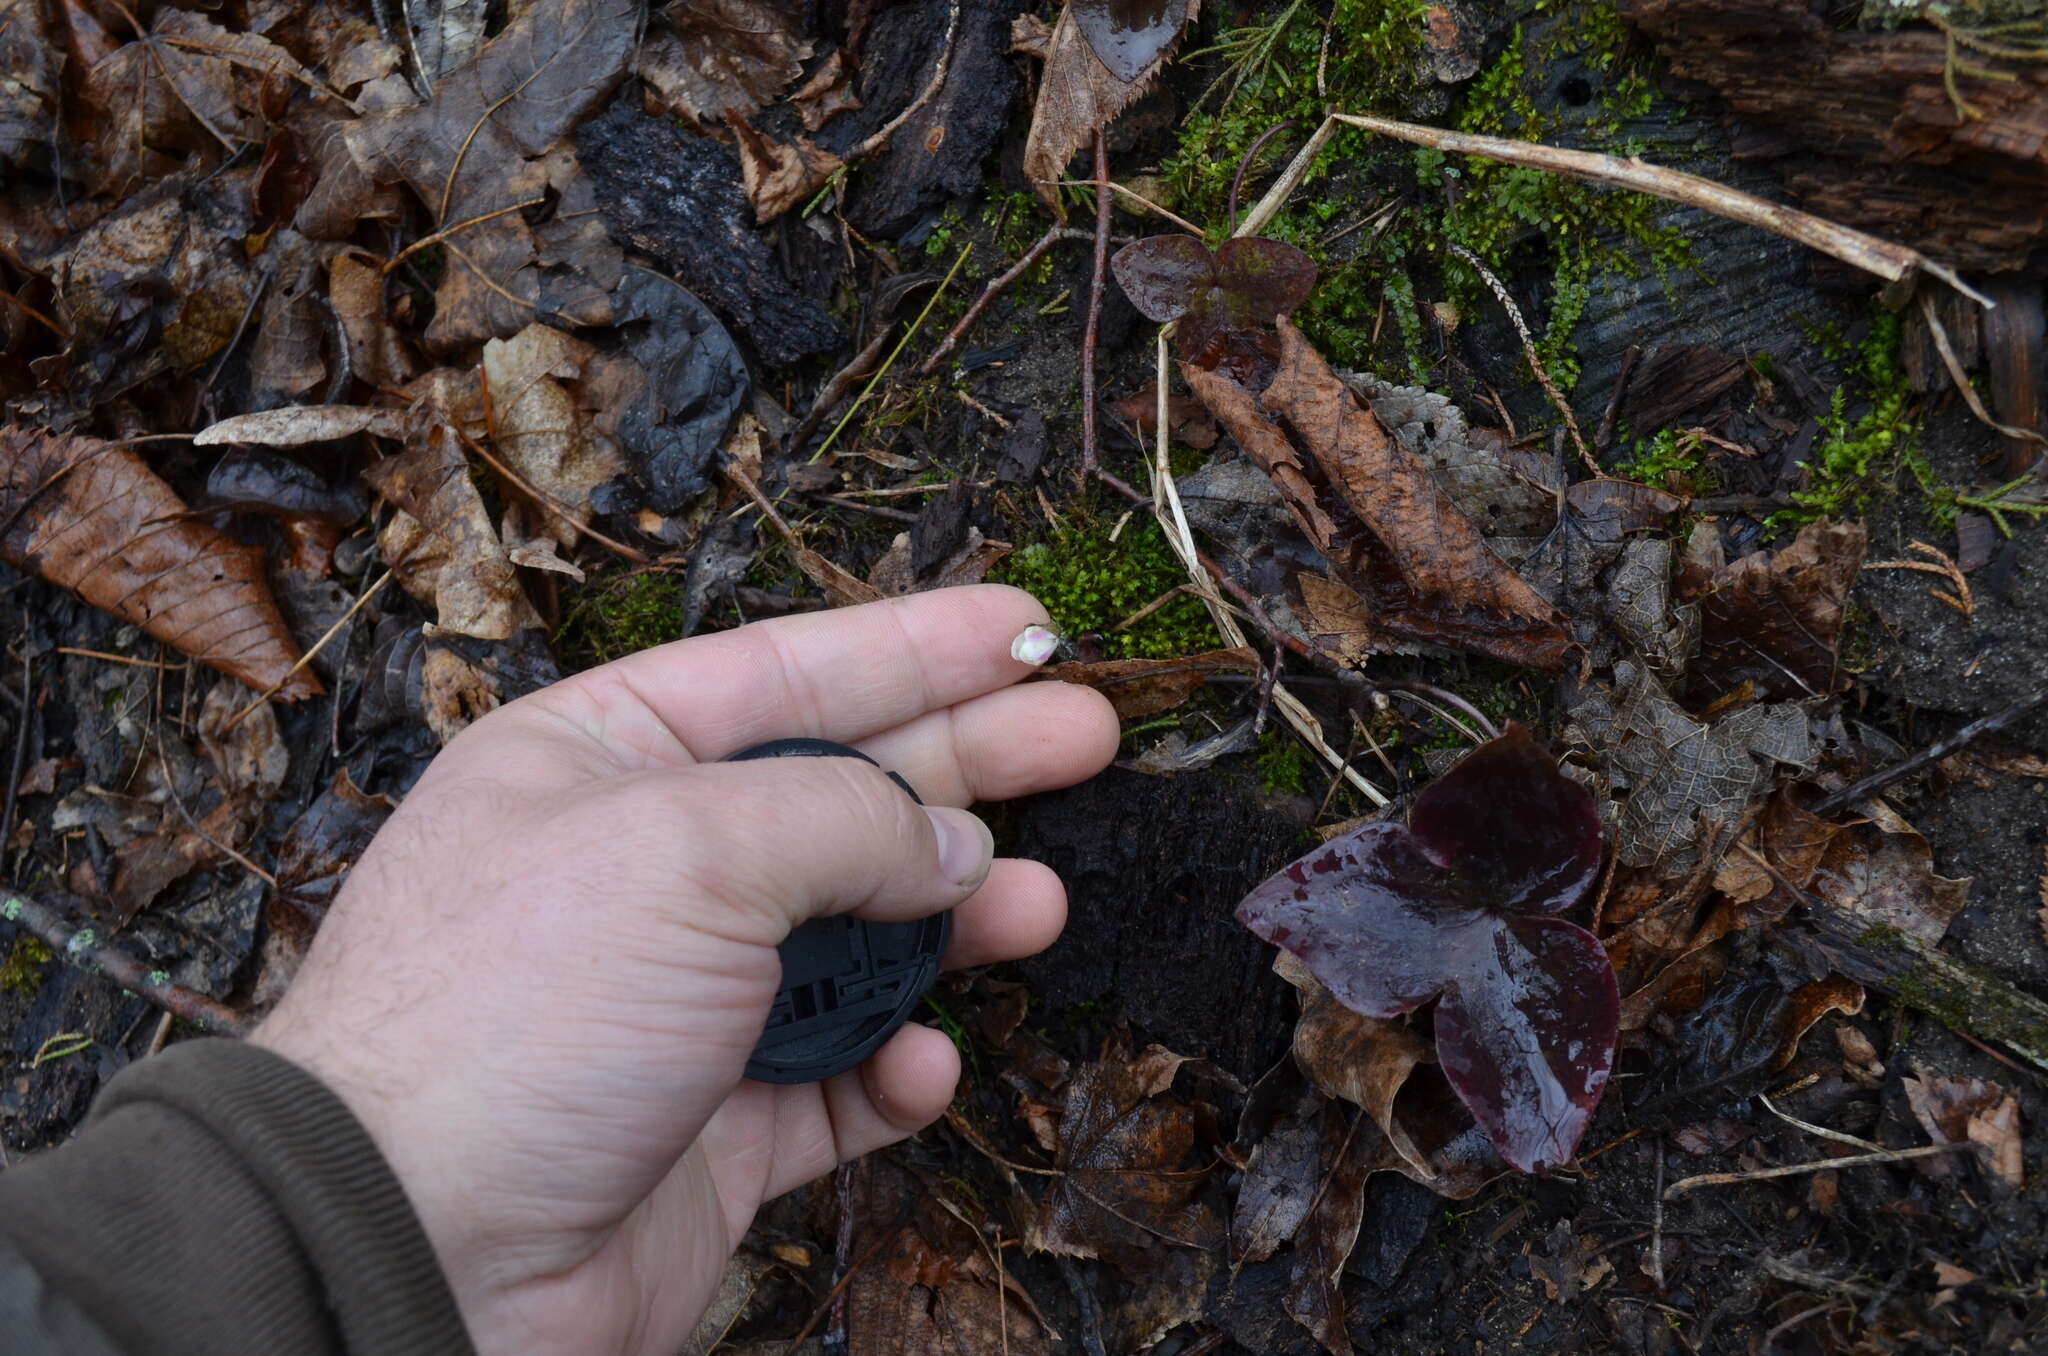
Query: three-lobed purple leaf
{"x": 1241, "y": 286}
{"x": 1460, "y": 904}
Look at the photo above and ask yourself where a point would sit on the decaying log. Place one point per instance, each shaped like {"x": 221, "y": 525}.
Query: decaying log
{"x": 1870, "y": 131}
{"x": 1965, "y": 997}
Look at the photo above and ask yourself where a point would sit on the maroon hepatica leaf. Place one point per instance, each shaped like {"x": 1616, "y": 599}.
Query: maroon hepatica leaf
{"x": 1241, "y": 286}
{"x": 1129, "y": 35}
{"x": 1460, "y": 904}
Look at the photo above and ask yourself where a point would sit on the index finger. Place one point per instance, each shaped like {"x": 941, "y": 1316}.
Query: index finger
{"x": 840, "y": 675}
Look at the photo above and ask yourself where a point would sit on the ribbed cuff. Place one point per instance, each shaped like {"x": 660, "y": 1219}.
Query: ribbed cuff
{"x": 220, "y": 1198}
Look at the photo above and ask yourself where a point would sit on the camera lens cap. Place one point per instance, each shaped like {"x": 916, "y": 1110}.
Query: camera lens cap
{"x": 847, "y": 983}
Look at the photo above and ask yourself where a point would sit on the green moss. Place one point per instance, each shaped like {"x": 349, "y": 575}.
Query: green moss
{"x": 1857, "y": 456}
{"x": 1670, "y": 460}
{"x": 1089, "y": 584}
{"x": 1284, "y": 765}
{"x": 620, "y": 613}
{"x": 1363, "y": 313}
{"x": 23, "y": 971}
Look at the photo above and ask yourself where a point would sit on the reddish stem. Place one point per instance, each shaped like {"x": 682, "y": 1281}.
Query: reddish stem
{"x": 1102, "y": 209}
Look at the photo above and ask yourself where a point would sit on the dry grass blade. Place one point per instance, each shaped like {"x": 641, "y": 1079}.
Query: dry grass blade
{"x": 1557, "y": 399}
{"x": 1685, "y": 1184}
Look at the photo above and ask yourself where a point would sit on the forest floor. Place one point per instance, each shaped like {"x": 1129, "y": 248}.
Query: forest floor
{"x": 548, "y": 397}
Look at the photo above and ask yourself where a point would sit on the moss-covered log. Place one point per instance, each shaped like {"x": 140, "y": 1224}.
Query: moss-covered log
{"x": 1963, "y": 996}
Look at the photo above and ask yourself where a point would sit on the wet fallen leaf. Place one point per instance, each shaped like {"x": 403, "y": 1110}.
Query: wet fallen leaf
{"x": 29, "y": 97}
{"x": 1078, "y": 94}
{"x": 672, "y": 402}
{"x": 1783, "y": 849}
{"x": 893, "y": 575}
{"x": 91, "y": 517}
{"x": 1128, "y": 1165}
{"x": 1127, "y": 36}
{"x": 248, "y": 753}
{"x": 377, "y": 353}
{"x": 1395, "y": 537}
{"x": 709, "y": 60}
{"x": 1461, "y": 904}
{"x": 252, "y": 479}
{"x": 1773, "y": 618}
{"x": 1280, "y": 1183}
{"x": 475, "y": 149}
{"x": 1315, "y": 1297}
{"x": 1145, "y": 687}
{"x": 1968, "y": 1110}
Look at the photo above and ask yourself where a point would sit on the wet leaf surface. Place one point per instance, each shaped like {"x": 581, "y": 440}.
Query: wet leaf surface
{"x": 1129, "y": 35}
{"x": 1242, "y": 286}
{"x": 1459, "y": 903}
{"x": 1077, "y": 94}
{"x": 1774, "y": 619}
{"x": 91, "y": 517}
{"x": 706, "y": 60}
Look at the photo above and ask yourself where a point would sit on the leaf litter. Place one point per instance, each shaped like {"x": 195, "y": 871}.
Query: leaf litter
{"x": 489, "y": 303}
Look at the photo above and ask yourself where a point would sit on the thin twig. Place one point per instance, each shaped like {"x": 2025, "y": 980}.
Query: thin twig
{"x": 438, "y": 236}
{"x": 1500, "y": 292}
{"x": 1962, "y": 380}
{"x": 1929, "y": 756}
{"x": 1603, "y": 437}
{"x": 1863, "y": 1145}
{"x": 562, "y": 510}
{"x": 1096, "y": 285}
{"x": 21, "y": 737}
{"x": 1657, "y": 1220}
{"x": 1893, "y": 263}
{"x": 1244, "y": 163}
{"x": 81, "y": 947}
{"x": 996, "y": 287}
{"x": 329, "y": 634}
{"x": 924, "y": 96}
{"x": 1134, "y": 196}
{"x": 873, "y": 510}
{"x": 894, "y": 353}
{"x": 115, "y": 658}
{"x": 1685, "y": 1184}
{"x": 1771, "y": 1337}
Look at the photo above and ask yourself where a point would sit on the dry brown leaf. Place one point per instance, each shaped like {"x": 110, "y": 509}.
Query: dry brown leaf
{"x": 1784, "y": 847}
{"x": 1392, "y": 533}
{"x": 892, "y": 576}
{"x": 30, "y": 94}
{"x": 91, "y": 517}
{"x": 443, "y": 544}
{"x": 779, "y": 174}
{"x": 840, "y": 588}
{"x": 540, "y": 430}
{"x": 827, "y": 94}
{"x": 454, "y": 693}
{"x": 931, "y": 1288}
{"x": 1145, "y": 687}
{"x": 1077, "y": 94}
{"x": 248, "y": 751}
{"x": 1882, "y": 871}
{"x": 707, "y": 59}
{"x": 1188, "y": 421}
{"x": 1336, "y": 618}
{"x": 1373, "y": 1064}
{"x": 1969, "y": 1110}
{"x": 355, "y": 289}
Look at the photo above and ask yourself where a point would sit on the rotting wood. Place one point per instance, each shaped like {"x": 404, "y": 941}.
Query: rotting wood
{"x": 1957, "y": 993}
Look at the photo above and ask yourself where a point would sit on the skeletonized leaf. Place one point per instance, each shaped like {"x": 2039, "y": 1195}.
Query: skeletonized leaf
{"x": 91, "y": 517}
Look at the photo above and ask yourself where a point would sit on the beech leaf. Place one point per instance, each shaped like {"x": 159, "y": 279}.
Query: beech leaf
{"x": 1460, "y": 905}
{"x": 91, "y": 517}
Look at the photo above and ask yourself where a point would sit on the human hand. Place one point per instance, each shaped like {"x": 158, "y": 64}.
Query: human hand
{"x": 540, "y": 986}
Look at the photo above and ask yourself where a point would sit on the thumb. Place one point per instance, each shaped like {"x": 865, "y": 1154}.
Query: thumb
{"x": 787, "y": 840}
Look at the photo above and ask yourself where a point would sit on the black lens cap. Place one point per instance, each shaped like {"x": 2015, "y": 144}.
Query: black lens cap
{"x": 847, "y": 983}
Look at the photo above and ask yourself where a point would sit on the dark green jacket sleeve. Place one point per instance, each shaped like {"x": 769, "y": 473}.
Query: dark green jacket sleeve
{"x": 218, "y": 1199}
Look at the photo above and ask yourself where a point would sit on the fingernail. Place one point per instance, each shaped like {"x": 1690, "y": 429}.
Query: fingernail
{"x": 966, "y": 847}
{"x": 1034, "y": 645}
